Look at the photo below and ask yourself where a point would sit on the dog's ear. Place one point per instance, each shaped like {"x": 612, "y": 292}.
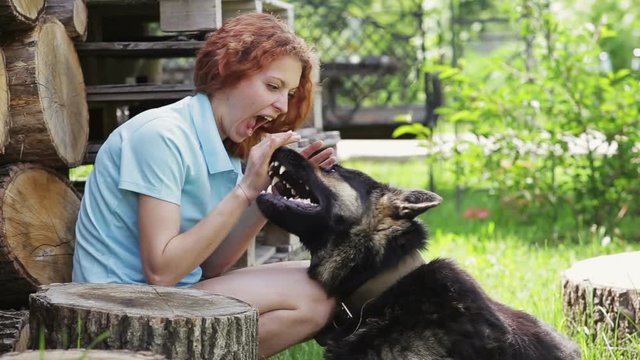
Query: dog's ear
{"x": 411, "y": 203}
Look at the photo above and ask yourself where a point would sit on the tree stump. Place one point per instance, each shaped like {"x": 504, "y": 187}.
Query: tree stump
{"x": 38, "y": 213}
{"x": 177, "y": 323}
{"x": 14, "y": 331}
{"x": 47, "y": 106}
{"x": 77, "y": 354}
{"x": 602, "y": 294}
{"x": 72, "y": 14}
{"x": 19, "y": 15}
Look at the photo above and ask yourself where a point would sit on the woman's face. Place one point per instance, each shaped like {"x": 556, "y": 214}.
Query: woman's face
{"x": 256, "y": 100}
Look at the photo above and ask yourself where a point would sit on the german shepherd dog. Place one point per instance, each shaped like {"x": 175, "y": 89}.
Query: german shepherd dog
{"x": 364, "y": 238}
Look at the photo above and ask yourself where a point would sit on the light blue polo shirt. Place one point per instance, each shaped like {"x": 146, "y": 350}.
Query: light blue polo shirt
{"x": 173, "y": 153}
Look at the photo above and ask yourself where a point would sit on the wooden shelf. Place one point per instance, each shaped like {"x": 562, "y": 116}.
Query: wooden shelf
{"x": 159, "y": 49}
{"x": 138, "y": 92}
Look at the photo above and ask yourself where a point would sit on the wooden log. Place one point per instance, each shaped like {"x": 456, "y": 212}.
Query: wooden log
{"x": 72, "y": 14}
{"x": 19, "y": 15}
{"x": 48, "y": 107}
{"x": 4, "y": 103}
{"x": 176, "y": 323}
{"x": 14, "y": 330}
{"x": 38, "y": 212}
{"x": 602, "y": 294}
{"x": 76, "y": 354}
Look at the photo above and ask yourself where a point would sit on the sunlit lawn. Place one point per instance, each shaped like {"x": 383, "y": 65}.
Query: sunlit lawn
{"x": 517, "y": 262}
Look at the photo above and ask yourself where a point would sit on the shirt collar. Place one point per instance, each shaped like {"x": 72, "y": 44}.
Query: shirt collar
{"x": 215, "y": 154}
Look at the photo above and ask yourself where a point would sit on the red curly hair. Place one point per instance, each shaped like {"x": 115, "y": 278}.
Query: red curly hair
{"x": 242, "y": 47}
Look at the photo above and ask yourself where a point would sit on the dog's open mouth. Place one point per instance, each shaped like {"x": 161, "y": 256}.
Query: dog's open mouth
{"x": 286, "y": 187}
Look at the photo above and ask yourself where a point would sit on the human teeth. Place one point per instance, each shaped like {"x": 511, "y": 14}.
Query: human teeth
{"x": 282, "y": 170}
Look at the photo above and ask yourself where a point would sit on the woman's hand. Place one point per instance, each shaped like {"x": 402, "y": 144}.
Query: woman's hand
{"x": 255, "y": 177}
{"x": 326, "y": 158}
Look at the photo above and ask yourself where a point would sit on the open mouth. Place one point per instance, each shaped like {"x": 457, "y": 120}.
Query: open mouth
{"x": 286, "y": 187}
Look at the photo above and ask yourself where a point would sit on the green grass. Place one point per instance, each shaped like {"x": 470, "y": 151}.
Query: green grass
{"x": 518, "y": 261}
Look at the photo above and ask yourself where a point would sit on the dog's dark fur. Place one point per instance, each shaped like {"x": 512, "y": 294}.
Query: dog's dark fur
{"x": 360, "y": 228}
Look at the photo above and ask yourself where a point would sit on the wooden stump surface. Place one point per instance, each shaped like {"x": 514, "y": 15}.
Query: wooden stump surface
{"x": 38, "y": 213}
{"x": 603, "y": 294}
{"x": 177, "y": 323}
{"x": 77, "y": 354}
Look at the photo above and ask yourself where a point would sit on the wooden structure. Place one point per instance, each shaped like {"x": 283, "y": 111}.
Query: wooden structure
{"x": 75, "y": 354}
{"x": 603, "y": 294}
{"x": 177, "y": 323}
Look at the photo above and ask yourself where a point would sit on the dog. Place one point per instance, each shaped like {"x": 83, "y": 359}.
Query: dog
{"x": 364, "y": 241}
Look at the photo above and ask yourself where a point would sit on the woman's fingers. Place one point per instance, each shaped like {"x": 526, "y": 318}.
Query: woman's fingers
{"x": 313, "y": 147}
{"x": 323, "y": 156}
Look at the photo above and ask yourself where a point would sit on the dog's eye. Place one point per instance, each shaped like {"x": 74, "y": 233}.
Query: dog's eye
{"x": 332, "y": 169}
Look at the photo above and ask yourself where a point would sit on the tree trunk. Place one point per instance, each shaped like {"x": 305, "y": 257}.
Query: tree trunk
{"x": 19, "y": 15}
{"x": 72, "y": 14}
{"x": 48, "y": 107}
{"x": 76, "y": 354}
{"x": 602, "y": 294}
{"x": 14, "y": 331}
{"x": 4, "y": 103}
{"x": 38, "y": 212}
{"x": 176, "y": 323}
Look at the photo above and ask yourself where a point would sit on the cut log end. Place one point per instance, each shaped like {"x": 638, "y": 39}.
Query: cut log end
{"x": 28, "y": 9}
{"x": 48, "y": 107}
{"x": 72, "y": 14}
{"x": 62, "y": 92}
{"x": 176, "y": 323}
{"x": 38, "y": 212}
{"x": 603, "y": 295}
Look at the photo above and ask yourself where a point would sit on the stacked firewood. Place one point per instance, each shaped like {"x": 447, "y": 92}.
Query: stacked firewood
{"x": 44, "y": 125}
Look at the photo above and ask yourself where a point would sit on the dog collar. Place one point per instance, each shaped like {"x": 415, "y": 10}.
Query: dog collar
{"x": 372, "y": 288}
{"x": 381, "y": 282}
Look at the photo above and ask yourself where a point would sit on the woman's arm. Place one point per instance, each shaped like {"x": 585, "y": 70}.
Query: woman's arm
{"x": 168, "y": 255}
{"x": 235, "y": 243}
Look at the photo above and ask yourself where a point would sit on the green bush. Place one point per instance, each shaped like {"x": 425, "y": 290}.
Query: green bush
{"x": 545, "y": 125}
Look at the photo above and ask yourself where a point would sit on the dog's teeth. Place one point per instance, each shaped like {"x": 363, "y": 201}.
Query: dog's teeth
{"x": 274, "y": 181}
{"x": 282, "y": 170}
{"x": 307, "y": 188}
{"x": 293, "y": 192}
{"x": 270, "y": 189}
{"x": 276, "y": 164}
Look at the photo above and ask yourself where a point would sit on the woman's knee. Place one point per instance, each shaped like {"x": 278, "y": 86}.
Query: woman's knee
{"x": 317, "y": 306}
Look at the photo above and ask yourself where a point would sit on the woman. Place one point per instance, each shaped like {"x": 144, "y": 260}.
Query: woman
{"x": 167, "y": 203}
